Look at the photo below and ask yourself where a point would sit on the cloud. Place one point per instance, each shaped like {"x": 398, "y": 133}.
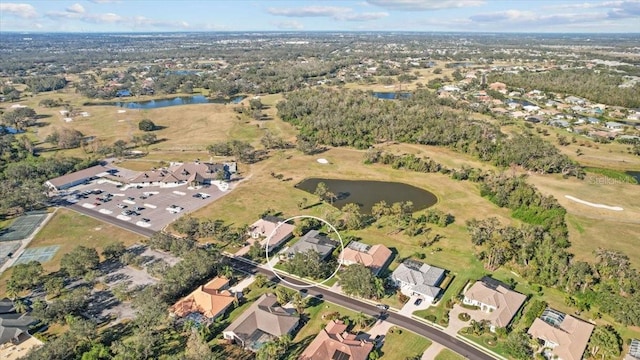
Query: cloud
{"x": 422, "y": 5}
{"x": 77, "y": 12}
{"x": 105, "y": 1}
{"x": 289, "y": 25}
{"x": 334, "y": 12}
{"x": 25, "y": 11}
{"x": 76, "y": 8}
{"x": 310, "y": 11}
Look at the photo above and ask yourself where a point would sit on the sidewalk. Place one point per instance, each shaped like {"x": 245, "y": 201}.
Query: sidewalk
{"x": 432, "y": 351}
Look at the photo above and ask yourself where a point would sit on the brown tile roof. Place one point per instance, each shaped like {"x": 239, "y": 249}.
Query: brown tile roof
{"x": 572, "y": 336}
{"x": 265, "y": 226}
{"x": 493, "y": 293}
{"x": 209, "y": 299}
{"x": 334, "y": 339}
{"x": 373, "y": 257}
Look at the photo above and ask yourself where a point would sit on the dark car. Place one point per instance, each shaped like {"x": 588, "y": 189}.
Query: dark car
{"x": 197, "y": 195}
{"x": 418, "y": 301}
{"x": 146, "y": 220}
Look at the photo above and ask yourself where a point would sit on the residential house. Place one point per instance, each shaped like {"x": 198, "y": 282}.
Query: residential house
{"x": 634, "y": 350}
{"x": 574, "y": 100}
{"x": 375, "y": 257}
{"x": 563, "y": 336}
{"x": 315, "y": 241}
{"x": 14, "y": 326}
{"x": 417, "y": 278}
{"x": 495, "y": 298}
{"x": 271, "y": 229}
{"x": 559, "y": 123}
{"x": 614, "y": 125}
{"x": 265, "y": 320}
{"x": 334, "y": 342}
{"x": 210, "y": 300}
{"x": 498, "y": 86}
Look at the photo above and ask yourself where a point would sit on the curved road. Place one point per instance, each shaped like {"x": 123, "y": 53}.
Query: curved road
{"x": 415, "y": 326}
{"x": 408, "y": 323}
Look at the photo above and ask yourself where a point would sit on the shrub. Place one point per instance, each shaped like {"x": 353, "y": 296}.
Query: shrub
{"x": 431, "y": 318}
{"x": 146, "y": 125}
{"x": 464, "y": 317}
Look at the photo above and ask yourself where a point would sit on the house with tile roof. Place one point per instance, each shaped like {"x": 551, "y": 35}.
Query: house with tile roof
{"x": 334, "y": 342}
{"x": 273, "y": 227}
{"x": 264, "y": 321}
{"x": 211, "y": 300}
{"x": 496, "y": 299}
{"x": 563, "y": 337}
{"x": 417, "y": 278}
{"x": 375, "y": 257}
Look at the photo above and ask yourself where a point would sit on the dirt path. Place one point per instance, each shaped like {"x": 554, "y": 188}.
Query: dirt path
{"x": 601, "y": 206}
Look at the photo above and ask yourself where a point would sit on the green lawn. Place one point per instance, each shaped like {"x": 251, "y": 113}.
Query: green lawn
{"x": 447, "y": 354}
{"x": 484, "y": 340}
{"x": 401, "y": 343}
{"x": 315, "y": 321}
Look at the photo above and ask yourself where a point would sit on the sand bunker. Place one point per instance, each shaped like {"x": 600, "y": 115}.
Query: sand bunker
{"x": 323, "y": 161}
{"x": 601, "y": 206}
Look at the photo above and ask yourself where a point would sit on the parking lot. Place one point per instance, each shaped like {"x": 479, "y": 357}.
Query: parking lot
{"x": 151, "y": 207}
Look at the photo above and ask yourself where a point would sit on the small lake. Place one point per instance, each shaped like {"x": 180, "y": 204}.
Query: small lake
{"x": 391, "y": 95}
{"x": 181, "y": 100}
{"x": 635, "y": 175}
{"x": 366, "y": 193}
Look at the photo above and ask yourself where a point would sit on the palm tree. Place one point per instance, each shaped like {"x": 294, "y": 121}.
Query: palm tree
{"x": 361, "y": 319}
{"x": 299, "y": 303}
{"x": 20, "y": 306}
{"x": 227, "y": 271}
{"x": 378, "y": 288}
{"x": 12, "y": 291}
{"x": 284, "y": 343}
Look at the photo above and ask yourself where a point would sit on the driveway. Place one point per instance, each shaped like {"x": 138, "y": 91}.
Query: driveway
{"x": 409, "y": 308}
{"x": 240, "y": 286}
{"x": 432, "y": 351}
{"x": 456, "y": 324}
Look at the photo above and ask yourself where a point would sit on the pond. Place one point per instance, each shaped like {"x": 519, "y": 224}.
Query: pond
{"x": 181, "y": 100}
{"x": 635, "y": 175}
{"x": 366, "y": 193}
{"x": 391, "y": 95}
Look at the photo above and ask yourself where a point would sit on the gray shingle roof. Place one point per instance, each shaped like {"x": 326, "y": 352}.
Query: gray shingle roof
{"x": 423, "y": 278}
{"x": 313, "y": 240}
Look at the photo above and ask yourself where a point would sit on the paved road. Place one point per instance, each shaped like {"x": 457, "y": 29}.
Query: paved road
{"x": 408, "y": 323}
{"x": 417, "y": 327}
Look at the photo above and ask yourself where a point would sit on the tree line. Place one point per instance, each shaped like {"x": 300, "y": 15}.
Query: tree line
{"x": 358, "y": 119}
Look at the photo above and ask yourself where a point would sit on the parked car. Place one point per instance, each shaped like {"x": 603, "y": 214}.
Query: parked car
{"x": 382, "y": 307}
{"x": 418, "y": 301}
{"x": 137, "y": 208}
{"x": 122, "y": 206}
{"x": 146, "y": 220}
{"x": 143, "y": 197}
{"x": 197, "y": 195}
{"x": 131, "y": 198}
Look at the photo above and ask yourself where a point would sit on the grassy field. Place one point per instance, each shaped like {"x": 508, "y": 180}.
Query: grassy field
{"x": 401, "y": 344}
{"x": 70, "y": 229}
{"x": 447, "y": 354}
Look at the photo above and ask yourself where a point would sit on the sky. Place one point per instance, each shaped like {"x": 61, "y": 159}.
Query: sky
{"x": 541, "y": 16}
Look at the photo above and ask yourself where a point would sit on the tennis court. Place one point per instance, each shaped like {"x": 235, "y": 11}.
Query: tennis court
{"x": 6, "y": 248}
{"x": 40, "y": 254}
{"x": 22, "y": 227}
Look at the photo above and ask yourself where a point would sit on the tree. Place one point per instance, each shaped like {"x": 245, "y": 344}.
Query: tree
{"x": 79, "y": 261}
{"x": 197, "y": 348}
{"x": 353, "y": 219}
{"x": 26, "y": 276}
{"x": 358, "y": 280}
{"x": 65, "y": 138}
{"x": 299, "y": 303}
{"x": 283, "y": 295}
{"x": 113, "y": 250}
{"x": 20, "y": 306}
{"x": 309, "y": 264}
{"x": 321, "y": 191}
{"x": 53, "y": 286}
{"x": 119, "y": 148}
{"x": 260, "y": 280}
{"x": 146, "y": 125}
{"x": 605, "y": 343}
{"x": 517, "y": 345}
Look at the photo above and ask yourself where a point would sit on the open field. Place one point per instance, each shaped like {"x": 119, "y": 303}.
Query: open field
{"x": 70, "y": 229}
{"x": 590, "y": 227}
